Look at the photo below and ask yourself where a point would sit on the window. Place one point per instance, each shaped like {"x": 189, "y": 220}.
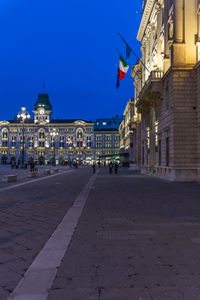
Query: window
{"x": 98, "y": 145}
{"x": 41, "y": 135}
{"x": 61, "y": 145}
{"x": 79, "y": 134}
{"x": 99, "y": 137}
{"x": 89, "y": 144}
{"x": 41, "y": 144}
{"x": 108, "y": 137}
{"x": 159, "y": 152}
{"x": 167, "y": 151}
{"x": 108, "y": 144}
{"x": 5, "y": 144}
{"x": 5, "y": 133}
{"x": 104, "y": 123}
{"x": 143, "y": 155}
{"x": 79, "y": 144}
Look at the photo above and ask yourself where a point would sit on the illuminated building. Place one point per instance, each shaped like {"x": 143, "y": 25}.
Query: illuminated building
{"x": 126, "y": 132}
{"x": 46, "y": 140}
{"x": 106, "y": 139}
{"x": 167, "y": 92}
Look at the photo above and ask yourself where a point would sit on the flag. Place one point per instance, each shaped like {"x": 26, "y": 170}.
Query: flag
{"x": 123, "y": 68}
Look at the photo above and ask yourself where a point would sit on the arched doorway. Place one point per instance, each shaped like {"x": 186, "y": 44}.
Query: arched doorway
{"x": 4, "y": 160}
{"x": 41, "y": 160}
{"x": 52, "y": 161}
{"x": 61, "y": 160}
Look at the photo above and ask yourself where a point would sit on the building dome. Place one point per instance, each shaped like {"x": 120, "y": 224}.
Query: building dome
{"x": 43, "y": 101}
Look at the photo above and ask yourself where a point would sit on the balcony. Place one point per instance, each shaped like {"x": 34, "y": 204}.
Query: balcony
{"x": 151, "y": 94}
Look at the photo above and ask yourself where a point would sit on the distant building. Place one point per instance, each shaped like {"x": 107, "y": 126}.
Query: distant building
{"x": 45, "y": 140}
{"x": 106, "y": 139}
{"x": 126, "y": 131}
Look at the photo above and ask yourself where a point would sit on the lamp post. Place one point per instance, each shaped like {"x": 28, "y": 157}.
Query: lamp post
{"x": 23, "y": 115}
{"x": 53, "y": 134}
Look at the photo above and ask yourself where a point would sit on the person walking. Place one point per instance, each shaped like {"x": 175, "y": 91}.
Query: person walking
{"x": 94, "y": 168}
{"x": 12, "y": 164}
{"x": 110, "y": 167}
{"x": 116, "y": 167}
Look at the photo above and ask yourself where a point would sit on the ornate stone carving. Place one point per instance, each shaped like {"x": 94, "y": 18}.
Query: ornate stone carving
{"x": 150, "y": 99}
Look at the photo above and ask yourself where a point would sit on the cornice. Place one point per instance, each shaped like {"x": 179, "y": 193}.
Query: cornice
{"x": 145, "y": 18}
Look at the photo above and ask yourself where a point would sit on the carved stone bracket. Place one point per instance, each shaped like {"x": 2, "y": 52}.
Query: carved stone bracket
{"x": 150, "y": 99}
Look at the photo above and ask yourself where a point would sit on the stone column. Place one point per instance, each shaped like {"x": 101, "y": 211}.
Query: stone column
{"x": 159, "y": 24}
{"x": 178, "y": 48}
{"x": 179, "y": 21}
{"x": 143, "y": 50}
{"x": 198, "y": 31}
{"x": 166, "y": 37}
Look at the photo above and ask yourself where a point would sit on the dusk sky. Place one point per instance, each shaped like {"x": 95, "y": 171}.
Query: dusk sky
{"x": 72, "y": 46}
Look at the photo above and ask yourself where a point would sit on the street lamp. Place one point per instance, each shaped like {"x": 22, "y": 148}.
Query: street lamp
{"x": 23, "y": 115}
{"x": 53, "y": 135}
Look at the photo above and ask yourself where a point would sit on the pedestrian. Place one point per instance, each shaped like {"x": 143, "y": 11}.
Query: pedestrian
{"x": 99, "y": 164}
{"x": 110, "y": 167}
{"x": 116, "y": 167}
{"x": 32, "y": 164}
{"x": 94, "y": 168}
{"x": 12, "y": 163}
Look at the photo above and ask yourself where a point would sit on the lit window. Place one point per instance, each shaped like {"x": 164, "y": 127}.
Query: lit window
{"x": 104, "y": 123}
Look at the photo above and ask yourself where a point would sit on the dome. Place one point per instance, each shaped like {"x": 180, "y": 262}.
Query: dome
{"x": 43, "y": 101}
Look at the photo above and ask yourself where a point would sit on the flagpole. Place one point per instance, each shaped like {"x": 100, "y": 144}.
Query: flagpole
{"x": 133, "y": 51}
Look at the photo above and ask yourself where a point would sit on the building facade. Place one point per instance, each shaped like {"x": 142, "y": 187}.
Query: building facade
{"x": 107, "y": 139}
{"x": 56, "y": 141}
{"x": 167, "y": 89}
{"x": 128, "y": 149}
{"x": 45, "y": 140}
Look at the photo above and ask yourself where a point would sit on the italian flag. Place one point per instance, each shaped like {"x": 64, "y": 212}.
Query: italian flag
{"x": 123, "y": 68}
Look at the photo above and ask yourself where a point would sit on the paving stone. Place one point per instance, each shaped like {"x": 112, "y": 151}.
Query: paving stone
{"x": 74, "y": 294}
{"x": 31, "y": 214}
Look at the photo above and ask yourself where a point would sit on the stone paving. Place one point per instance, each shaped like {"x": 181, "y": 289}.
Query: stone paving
{"x": 28, "y": 216}
{"x": 138, "y": 237}
{"x": 22, "y": 174}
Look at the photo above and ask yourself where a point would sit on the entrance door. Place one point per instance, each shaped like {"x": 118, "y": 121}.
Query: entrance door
{"x": 41, "y": 160}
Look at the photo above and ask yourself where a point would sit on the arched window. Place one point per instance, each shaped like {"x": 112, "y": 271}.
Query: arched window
{"x": 4, "y": 133}
{"x": 41, "y": 134}
{"x": 79, "y": 133}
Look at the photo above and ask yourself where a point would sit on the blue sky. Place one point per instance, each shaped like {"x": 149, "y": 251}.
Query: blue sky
{"x": 72, "y": 46}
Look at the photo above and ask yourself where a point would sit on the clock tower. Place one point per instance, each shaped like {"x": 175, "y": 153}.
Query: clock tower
{"x": 43, "y": 109}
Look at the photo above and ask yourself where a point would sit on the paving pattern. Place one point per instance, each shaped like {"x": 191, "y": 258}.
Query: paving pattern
{"x": 138, "y": 239}
{"x": 28, "y": 216}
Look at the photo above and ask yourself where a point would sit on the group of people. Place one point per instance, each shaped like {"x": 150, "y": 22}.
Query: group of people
{"x": 111, "y": 166}
{"x": 14, "y": 164}
{"x": 115, "y": 166}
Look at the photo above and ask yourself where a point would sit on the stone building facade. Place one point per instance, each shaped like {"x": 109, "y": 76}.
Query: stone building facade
{"x": 46, "y": 140}
{"x": 167, "y": 89}
{"x": 107, "y": 139}
{"x": 126, "y": 132}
